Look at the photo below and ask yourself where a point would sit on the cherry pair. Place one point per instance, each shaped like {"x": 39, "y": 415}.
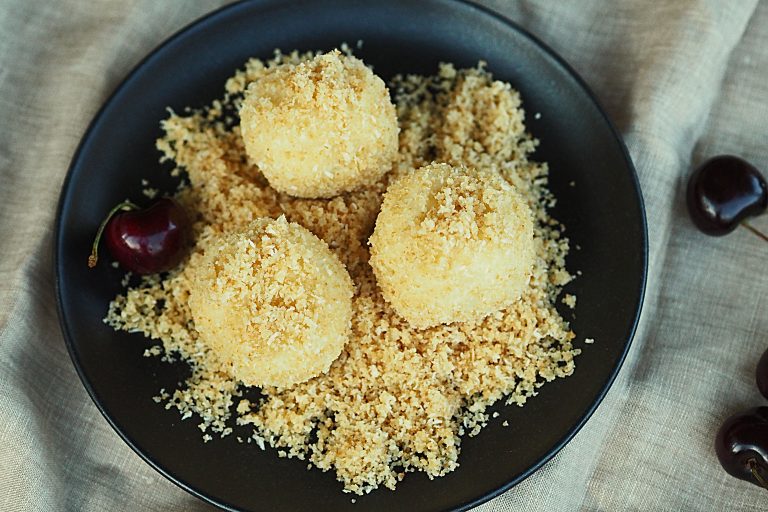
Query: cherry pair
{"x": 145, "y": 241}
{"x": 741, "y": 443}
{"x": 722, "y": 193}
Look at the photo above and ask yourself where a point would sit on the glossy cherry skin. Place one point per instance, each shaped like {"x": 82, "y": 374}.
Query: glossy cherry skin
{"x": 761, "y": 374}
{"x": 742, "y": 441}
{"x": 723, "y": 191}
{"x": 151, "y": 240}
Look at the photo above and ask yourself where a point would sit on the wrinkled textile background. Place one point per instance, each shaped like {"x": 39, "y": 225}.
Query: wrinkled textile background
{"x": 683, "y": 80}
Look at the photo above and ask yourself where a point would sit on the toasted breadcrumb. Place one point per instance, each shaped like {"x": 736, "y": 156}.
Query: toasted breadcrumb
{"x": 397, "y": 399}
{"x": 153, "y": 351}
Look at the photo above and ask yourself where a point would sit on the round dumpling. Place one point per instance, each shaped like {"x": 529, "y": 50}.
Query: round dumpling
{"x": 321, "y": 127}
{"x": 451, "y": 244}
{"x": 273, "y": 302}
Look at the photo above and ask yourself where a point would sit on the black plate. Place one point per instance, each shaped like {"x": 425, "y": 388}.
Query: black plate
{"x": 603, "y": 214}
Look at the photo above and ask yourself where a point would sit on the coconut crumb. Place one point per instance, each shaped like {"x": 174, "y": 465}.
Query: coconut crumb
{"x": 153, "y": 351}
{"x": 397, "y": 399}
{"x": 126, "y": 279}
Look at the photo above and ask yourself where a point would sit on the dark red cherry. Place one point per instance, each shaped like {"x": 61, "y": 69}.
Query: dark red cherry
{"x": 742, "y": 446}
{"x": 145, "y": 241}
{"x": 723, "y": 191}
{"x": 761, "y": 374}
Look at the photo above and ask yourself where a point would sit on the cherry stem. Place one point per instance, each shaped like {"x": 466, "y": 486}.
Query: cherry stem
{"x": 754, "y": 230}
{"x": 753, "y": 467}
{"x": 94, "y": 257}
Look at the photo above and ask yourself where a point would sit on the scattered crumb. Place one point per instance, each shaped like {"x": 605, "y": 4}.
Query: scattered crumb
{"x": 162, "y": 397}
{"x": 398, "y": 399}
{"x": 115, "y": 264}
{"x": 589, "y": 341}
{"x": 505, "y": 423}
{"x": 495, "y": 414}
{"x": 243, "y": 406}
{"x": 569, "y": 300}
{"x": 571, "y": 184}
{"x": 537, "y": 115}
{"x": 258, "y": 440}
{"x": 148, "y": 191}
{"x": 153, "y": 351}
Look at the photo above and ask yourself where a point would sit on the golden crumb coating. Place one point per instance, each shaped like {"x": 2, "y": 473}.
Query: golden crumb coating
{"x": 320, "y": 127}
{"x": 273, "y": 302}
{"x": 451, "y": 244}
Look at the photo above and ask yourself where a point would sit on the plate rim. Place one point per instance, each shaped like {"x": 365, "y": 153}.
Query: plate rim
{"x": 210, "y": 17}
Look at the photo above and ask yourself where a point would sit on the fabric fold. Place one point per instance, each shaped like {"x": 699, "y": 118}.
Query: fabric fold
{"x": 681, "y": 80}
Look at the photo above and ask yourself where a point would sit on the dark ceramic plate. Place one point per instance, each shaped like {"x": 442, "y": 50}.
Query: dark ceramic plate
{"x": 603, "y": 214}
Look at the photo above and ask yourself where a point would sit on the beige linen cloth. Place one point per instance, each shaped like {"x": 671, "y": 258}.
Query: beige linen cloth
{"x": 682, "y": 79}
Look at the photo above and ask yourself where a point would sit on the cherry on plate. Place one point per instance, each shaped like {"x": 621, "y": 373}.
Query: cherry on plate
{"x": 145, "y": 241}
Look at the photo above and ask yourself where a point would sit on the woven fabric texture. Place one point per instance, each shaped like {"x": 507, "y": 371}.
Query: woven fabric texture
{"x": 682, "y": 80}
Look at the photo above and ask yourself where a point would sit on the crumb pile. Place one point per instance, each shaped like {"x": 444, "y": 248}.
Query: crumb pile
{"x": 273, "y": 302}
{"x": 320, "y": 127}
{"x": 397, "y": 399}
{"x": 451, "y": 244}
